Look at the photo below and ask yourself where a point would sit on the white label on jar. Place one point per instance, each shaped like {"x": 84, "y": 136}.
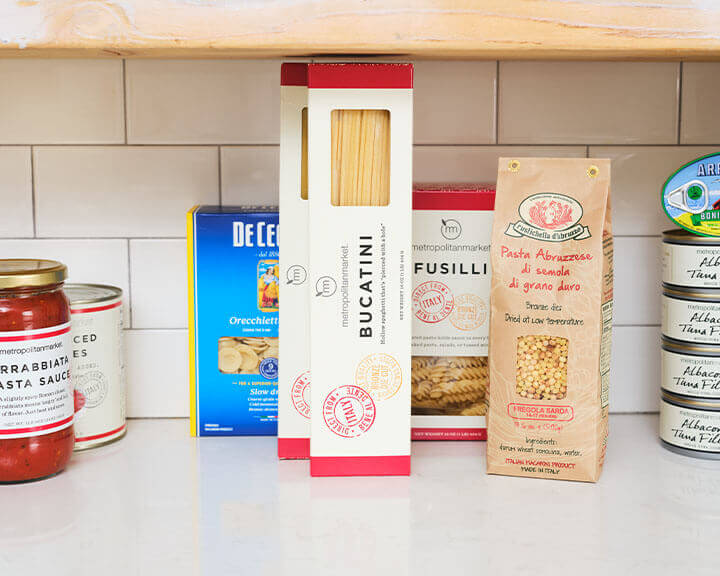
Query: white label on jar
{"x": 695, "y": 266}
{"x": 36, "y": 394}
{"x": 697, "y": 376}
{"x": 690, "y": 428}
{"x": 691, "y": 321}
{"x": 98, "y": 372}
{"x": 451, "y": 282}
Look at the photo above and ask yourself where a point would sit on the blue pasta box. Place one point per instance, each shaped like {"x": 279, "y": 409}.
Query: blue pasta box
{"x": 233, "y": 294}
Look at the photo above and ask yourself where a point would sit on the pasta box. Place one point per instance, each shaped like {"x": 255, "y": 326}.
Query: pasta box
{"x": 233, "y": 294}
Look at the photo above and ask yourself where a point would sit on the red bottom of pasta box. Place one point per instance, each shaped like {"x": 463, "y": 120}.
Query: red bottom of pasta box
{"x": 452, "y": 226}
{"x": 360, "y": 466}
{"x": 293, "y": 448}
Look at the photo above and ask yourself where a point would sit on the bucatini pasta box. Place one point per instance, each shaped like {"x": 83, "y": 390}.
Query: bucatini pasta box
{"x": 551, "y": 316}
{"x": 294, "y": 377}
{"x": 233, "y": 281}
{"x": 360, "y": 119}
{"x": 451, "y": 309}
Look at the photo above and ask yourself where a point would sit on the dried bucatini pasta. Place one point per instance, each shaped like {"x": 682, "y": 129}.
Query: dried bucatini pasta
{"x": 244, "y": 355}
{"x": 449, "y": 385}
{"x": 360, "y": 157}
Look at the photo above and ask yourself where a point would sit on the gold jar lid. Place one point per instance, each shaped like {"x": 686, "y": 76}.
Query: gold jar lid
{"x": 28, "y": 272}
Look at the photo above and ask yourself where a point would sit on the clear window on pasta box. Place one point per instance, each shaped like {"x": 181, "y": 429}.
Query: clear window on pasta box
{"x": 452, "y": 224}
{"x": 234, "y": 294}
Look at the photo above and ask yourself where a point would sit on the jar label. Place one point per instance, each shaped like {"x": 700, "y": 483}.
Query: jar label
{"x": 690, "y": 428}
{"x": 690, "y": 375}
{"x": 97, "y": 368}
{"x": 36, "y": 393}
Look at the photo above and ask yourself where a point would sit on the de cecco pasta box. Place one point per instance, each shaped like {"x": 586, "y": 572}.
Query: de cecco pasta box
{"x": 233, "y": 278}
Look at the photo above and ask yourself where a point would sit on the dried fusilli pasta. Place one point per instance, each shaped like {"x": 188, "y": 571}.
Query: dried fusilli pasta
{"x": 449, "y": 385}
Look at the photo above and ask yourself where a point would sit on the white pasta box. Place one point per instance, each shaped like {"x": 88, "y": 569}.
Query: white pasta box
{"x": 360, "y": 177}
{"x": 294, "y": 376}
{"x": 233, "y": 294}
{"x": 452, "y": 225}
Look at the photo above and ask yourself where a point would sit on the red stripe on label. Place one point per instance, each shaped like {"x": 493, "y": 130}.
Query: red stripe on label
{"x": 294, "y": 74}
{"x": 98, "y": 436}
{"x": 293, "y": 448}
{"x": 448, "y": 199}
{"x": 38, "y": 428}
{"x": 449, "y": 434}
{"x": 360, "y": 76}
{"x": 360, "y": 466}
{"x": 97, "y": 309}
{"x": 22, "y": 337}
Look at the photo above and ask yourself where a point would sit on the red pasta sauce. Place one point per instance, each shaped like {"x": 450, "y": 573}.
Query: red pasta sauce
{"x": 34, "y": 371}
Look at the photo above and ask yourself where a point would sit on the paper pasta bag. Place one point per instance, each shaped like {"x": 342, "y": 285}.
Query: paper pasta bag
{"x": 551, "y": 317}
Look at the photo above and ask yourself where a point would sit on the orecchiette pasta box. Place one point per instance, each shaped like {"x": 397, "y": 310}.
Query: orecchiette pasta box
{"x": 233, "y": 289}
{"x": 360, "y": 180}
{"x": 452, "y": 225}
{"x": 294, "y": 377}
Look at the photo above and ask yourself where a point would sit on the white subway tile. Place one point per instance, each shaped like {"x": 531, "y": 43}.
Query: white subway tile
{"x": 61, "y": 102}
{"x": 637, "y": 280}
{"x": 157, "y": 373}
{"x": 250, "y": 175}
{"x": 158, "y": 276}
{"x": 638, "y": 174}
{"x": 635, "y": 369}
{"x": 121, "y": 191}
{"x": 88, "y": 261}
{"x": 475, "y": 163}
{"x": 454, "y": 102}
{"x": 203, "y": 102}
{"x": 700, "y": 121}
{"x": 16, "y": 216}
{"x": 588, "y": 102}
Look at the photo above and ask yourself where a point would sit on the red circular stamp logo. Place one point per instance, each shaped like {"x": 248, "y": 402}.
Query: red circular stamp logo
{"x": 300, "y": 394}
{"x": 432, "y": 301}
{"x": 349, "y": 411}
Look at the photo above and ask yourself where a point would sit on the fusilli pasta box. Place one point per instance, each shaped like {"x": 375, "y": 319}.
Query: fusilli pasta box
{"x": 452, "y": 225}
{"x": 294, "y": 377}
{"x": 360, "y": 180}
{"x": 233, "y": 289}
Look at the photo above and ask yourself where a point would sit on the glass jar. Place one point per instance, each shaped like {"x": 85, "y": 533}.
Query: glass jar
{"x": 36, "y": 394}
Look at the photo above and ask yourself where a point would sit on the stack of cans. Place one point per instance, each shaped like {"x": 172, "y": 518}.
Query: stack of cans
{"x": 690, "y": 403}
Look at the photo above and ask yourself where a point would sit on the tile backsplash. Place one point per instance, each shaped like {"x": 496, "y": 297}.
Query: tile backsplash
{"x": 100, "y": 159}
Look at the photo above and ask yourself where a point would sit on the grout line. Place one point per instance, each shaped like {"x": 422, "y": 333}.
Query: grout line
{"x": 32, "y": 190}
{"x": 679, "y": 102}
{"x": 140, "y": 145}
{"x": 415, "y": 145}
{"x": 125, "y": 100}
{"x": 497, "y": 100}
{"x": 129, "y": 294}
{"x": 156, "y": 329}
{"x": 182, "y": 238}
{"x": 587, "y": 151}
{"x": 219, "y": 160}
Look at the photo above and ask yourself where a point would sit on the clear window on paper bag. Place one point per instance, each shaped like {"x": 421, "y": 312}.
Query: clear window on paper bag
{"x": 239, "y": 355}
{"x": 360, "y": 159}
{"x": 541, "y": 369}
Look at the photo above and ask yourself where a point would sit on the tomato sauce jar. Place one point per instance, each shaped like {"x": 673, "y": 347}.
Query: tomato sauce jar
{"x": 36, "y": 393}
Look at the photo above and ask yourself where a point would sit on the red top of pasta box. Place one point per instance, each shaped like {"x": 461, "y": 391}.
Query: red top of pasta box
{"x": 454, "y": 197}
{"x": 360, "y": 76}
{"x": 294, "y": 74}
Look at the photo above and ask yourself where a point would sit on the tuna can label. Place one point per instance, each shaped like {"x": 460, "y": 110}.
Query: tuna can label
{"x": 692, "y": 266}
{"x": 98, "y": 372}
{"x": 697, "y": 376}
{"x": 690, "y": 321}
{"x": 690, "y": 428}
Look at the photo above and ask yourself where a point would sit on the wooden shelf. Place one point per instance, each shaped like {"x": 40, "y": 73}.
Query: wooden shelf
{"x": 480, "y": 29}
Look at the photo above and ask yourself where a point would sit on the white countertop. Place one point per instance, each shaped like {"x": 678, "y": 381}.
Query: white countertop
{"x": 159, "y": 502}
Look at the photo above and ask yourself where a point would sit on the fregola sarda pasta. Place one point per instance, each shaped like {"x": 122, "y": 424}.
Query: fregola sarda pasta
{"x": 452, "y": 385}
{"x": 243, "y": 355}
{"x": 542, "y": 367}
